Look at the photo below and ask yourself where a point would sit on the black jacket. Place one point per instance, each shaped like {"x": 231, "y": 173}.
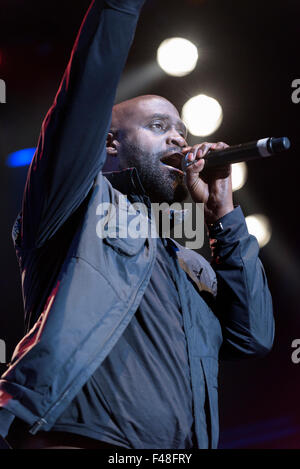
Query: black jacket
{"x": 80, "y": 292}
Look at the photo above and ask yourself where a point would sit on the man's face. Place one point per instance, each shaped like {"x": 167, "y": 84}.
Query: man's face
{"x": 151, "y": 130}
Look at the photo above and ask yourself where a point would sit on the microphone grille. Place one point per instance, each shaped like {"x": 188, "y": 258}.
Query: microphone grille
{"x": 279, "y": 144}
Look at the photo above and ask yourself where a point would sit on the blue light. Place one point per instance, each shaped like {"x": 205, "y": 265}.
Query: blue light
{"x": 20, "y": 158}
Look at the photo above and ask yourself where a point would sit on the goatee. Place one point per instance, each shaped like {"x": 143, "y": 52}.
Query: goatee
{"x": 160, "y": 183}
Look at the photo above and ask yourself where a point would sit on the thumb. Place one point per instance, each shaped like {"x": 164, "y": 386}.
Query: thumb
{"x": 192, "y": 168}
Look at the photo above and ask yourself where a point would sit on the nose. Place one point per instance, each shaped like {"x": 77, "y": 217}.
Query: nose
{"x": 175, "y": 138}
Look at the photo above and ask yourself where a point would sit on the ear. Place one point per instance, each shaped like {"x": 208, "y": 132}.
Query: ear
{"x": 111, "y": 144}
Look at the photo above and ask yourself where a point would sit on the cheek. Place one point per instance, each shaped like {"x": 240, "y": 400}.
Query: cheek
{"x": 148, "y": 142}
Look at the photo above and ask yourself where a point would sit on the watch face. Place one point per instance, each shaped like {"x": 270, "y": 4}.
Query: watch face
{"x": 216, "y": 228}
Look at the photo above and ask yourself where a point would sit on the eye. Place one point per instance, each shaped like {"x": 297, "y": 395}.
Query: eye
{"x": 157, "y": 125}
{"x": 181, "y": 133}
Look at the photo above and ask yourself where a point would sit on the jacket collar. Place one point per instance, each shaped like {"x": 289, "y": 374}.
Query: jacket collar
{"x": 126, "y": 181}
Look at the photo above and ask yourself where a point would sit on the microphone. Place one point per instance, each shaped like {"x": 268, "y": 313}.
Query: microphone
{"x": 262, "y": 148}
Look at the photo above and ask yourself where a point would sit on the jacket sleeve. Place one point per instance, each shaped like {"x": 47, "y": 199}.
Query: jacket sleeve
{"x": 243, "y": 301}
{"x": 71, "y": 146}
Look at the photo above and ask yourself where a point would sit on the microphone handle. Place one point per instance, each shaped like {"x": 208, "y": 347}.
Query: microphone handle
{"x": 246, "y": 151}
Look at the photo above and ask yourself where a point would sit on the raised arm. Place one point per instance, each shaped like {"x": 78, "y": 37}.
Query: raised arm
{"x": 71, "y": 147}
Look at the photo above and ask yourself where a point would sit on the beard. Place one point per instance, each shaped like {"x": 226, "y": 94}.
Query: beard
{"x": 161, "y": 184}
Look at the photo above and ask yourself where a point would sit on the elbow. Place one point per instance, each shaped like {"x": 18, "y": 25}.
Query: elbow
{"x": 248, "y": 343}
{"x": 261, "y": 349}
{"x": 261, "y": 344}
{"x": 264, "y": 332}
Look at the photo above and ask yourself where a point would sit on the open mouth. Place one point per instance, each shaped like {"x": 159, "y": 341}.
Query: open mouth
{"x": 173, "y": 161}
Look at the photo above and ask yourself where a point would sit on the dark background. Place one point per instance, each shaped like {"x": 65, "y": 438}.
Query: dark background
{"x": 248, "y": 58}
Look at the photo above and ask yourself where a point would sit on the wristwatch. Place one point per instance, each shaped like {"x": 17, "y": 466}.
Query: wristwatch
{"x": 215, "y": 229}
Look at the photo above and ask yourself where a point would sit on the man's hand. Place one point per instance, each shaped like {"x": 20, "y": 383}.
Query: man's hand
{"x": 213, "y": 186}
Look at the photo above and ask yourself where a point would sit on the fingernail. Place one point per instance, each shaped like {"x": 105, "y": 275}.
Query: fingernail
{"x": 186, "y": 158}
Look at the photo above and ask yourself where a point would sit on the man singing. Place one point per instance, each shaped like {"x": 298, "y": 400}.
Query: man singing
{"x": 123, "y": 335}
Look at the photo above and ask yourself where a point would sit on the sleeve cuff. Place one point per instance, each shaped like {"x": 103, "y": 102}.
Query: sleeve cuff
{"x": 225, "y": 234}
{"x": 230, "y": 227}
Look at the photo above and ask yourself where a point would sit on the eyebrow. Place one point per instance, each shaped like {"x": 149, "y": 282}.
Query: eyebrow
{"x": 167, "y": 117}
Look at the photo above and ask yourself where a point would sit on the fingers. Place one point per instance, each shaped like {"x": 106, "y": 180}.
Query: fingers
{"x": 220, "y": 146}
{"x": 193, "y": 161}
{"x": 224, "y": 171}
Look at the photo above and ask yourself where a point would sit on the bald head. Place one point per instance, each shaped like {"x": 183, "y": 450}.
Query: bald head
{"x": 126, "y": 112}
{"x": 143, "y": 130}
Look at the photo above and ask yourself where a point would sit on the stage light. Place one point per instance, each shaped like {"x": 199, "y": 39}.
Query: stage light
{"x": 138, "y": 80}
{"x": 202, "y": 115}
{"x": 20, "y": 158}
{"x": 259, "y": 226}
{"x": 239, "y": 175}
{"x": 177, "y": 56}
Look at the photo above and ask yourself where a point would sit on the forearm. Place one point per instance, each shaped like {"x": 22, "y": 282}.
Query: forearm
{"x": 243, "y": 303}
